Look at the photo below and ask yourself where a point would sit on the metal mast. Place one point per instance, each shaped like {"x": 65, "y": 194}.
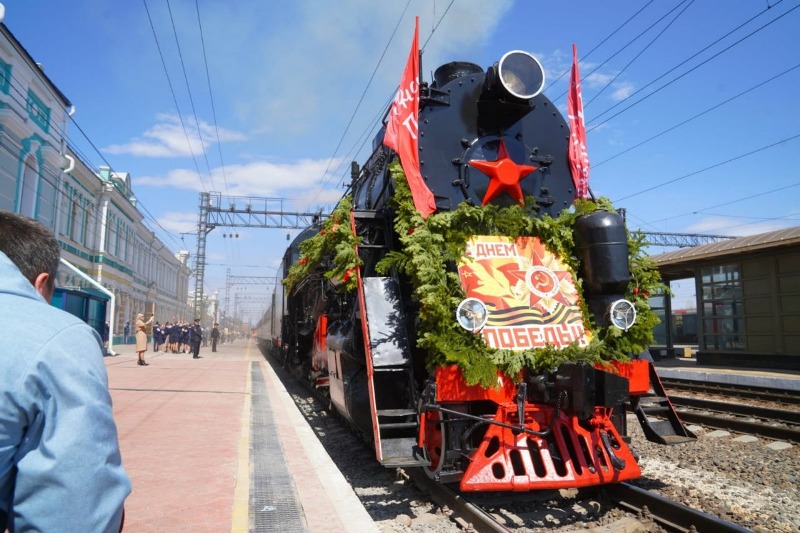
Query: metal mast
{"x": 200, "y": 258}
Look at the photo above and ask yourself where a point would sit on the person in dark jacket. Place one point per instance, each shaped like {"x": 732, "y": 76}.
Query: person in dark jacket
{"x": 195, "y": 337}
{"x": 214, "y": 336}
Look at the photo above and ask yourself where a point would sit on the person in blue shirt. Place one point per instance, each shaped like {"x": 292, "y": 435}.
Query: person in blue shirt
{"x": 60, "y": 464}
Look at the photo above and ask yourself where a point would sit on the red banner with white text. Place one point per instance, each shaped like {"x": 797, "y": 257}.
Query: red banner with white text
{"x": 578, "y": 156}
{"x": 402, "y": 129}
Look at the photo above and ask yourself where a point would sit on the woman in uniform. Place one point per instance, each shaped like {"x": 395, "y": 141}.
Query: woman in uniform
{"x": 141, "y": 337}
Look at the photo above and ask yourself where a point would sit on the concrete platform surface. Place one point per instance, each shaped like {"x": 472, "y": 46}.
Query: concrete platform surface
{"x": 185, "y": 434}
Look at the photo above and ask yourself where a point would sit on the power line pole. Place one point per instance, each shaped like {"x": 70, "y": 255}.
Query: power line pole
{"x": 239, "y": 212}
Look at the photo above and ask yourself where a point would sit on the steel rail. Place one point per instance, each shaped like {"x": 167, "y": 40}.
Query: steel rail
{"x": 740, "y": 391}
{"x": 766, "y": 413}
{"x": 669, "y": 514}
{"x": 468, "y": 514}
{"x": 740, "y": 426}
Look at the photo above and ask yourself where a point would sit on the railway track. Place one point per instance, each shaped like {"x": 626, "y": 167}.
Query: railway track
{"x": 739, "y": 411}
{"x": 635, "y": 505}
{"x": 669, "y": 514}
{"x": 781, "y": 396}
{"x": 778, "y": 424}
{"x": 647, "y": 506}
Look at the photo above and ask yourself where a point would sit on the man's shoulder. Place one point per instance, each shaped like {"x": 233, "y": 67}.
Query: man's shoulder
{"x": 34, "y": 317}
{"x": 33, "y": 329}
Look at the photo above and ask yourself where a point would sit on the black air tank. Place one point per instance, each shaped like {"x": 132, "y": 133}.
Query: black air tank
{"x": 602, "y": 247}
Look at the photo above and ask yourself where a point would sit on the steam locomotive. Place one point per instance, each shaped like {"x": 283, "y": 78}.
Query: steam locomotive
{"x": 497, "y": 342}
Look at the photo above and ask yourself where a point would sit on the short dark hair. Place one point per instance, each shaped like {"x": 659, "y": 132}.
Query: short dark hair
{"x": 30, "y": 245}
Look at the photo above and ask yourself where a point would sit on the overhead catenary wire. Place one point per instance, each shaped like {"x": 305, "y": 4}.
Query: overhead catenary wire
{"x": 174, "y": 97}
{"x": 324, "y": 179}
{"x": 627, "y": 45}
{"x": 191, "y": 99}
{"x": 667, "y": 84}
{"x": 638, "y": 55}
{"x": 601, "y": 43}
{"x": 375, "y": 122}
{"x": 211, "y": 97}
{"x": 715, "y": 165}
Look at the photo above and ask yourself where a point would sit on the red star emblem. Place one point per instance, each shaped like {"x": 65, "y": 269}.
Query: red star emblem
{"x": 504, "y": 175}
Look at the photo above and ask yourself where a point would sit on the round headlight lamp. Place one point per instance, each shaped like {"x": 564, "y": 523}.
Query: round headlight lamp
{"x": 622, "y": 314}
{"x": 521, "y": 74}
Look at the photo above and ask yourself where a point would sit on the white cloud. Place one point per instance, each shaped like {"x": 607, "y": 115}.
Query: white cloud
{"x": 622, "y": 90}
{"x": 597, "y": 80}
{"x": 303, "y": 88}
{"x": 178, "y": 222}
{"x": 171, "y": 138}
{"x": 258, "y": 178}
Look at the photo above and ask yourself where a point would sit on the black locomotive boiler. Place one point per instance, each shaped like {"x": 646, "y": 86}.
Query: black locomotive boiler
{"x": 497, "y": 341}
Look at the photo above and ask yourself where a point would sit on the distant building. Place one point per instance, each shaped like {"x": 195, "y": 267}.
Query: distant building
{"x": 110, "y": 255}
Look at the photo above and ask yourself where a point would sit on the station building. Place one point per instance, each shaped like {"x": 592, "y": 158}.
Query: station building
{"x": 747, "y": 301}
{"x": 113, "y": 265}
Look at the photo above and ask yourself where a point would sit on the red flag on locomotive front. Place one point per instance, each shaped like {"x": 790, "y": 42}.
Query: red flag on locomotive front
{"x": 578, "y": 156}
{"x": 402, "y": 129}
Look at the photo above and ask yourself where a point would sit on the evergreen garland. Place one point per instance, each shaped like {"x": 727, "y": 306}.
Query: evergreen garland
{"x": 333, "y": 248}
{"x": 429, "y": 245}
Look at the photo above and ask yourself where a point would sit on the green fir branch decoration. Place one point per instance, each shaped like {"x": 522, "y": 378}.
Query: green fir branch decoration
{"x": 333, "y": 249}
{"x": 429, "y": 245}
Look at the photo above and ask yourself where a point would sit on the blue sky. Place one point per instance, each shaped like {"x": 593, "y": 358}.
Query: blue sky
{"x": 287, "y": 77}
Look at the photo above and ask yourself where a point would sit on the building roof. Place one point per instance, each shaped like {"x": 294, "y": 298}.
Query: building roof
{"x": 742, "y": 245}
{"x": 37, "y": 69}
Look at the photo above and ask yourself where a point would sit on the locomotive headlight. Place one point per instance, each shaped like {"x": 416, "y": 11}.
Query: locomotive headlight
{"x": 508, "y": 90}
{"x": 622, "y": 314}
{"x": 472, "y": 314}
{"x": 520, "y": 74}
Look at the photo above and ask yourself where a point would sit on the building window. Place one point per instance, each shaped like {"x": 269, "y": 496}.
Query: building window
{"x": 30, "y": 188}
{"x": 38, "y": 112}
{"x": 74, "y": 223}
{"x": 723, "y": 309}
{"x": 5, "y": 77}
{"x": 88, "y": 237}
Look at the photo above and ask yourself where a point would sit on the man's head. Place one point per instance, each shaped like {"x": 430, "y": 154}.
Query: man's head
{"x": 33, "y": 248}
{"x": 197, "y": 321}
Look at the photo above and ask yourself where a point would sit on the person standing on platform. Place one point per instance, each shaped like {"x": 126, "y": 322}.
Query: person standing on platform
{"x": 126, "y": 332}
{"x": 174, "y": 336}
{"x": 195, "y": 337}
{"x": 60, "y": 464}
{"x": 141, "y": 338}
{"x": 157, "y": 337}
{"x": 214, "y": 336}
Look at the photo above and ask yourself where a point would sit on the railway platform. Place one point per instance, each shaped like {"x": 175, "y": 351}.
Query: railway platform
{"x": 687, "y": 368}
{"x": 216, "y": 444}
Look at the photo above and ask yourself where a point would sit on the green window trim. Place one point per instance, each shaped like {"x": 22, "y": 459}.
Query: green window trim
{"x": 5, "y": 77}
{"x": 37, "y": 111}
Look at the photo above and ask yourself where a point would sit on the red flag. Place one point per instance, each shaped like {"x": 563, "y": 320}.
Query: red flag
{"x": 578, "y": 156}
{"x": 402, "y": 129}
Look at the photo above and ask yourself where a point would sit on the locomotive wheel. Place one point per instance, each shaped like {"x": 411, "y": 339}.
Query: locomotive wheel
{"x": 435, "y": 439}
